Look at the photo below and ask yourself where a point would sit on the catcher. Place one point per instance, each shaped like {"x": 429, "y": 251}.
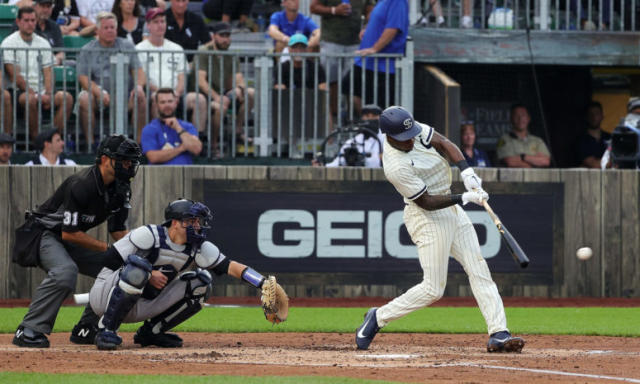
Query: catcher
{"x": 166, "y": 278}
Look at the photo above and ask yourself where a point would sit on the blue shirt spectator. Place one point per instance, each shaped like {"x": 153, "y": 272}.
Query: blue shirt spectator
{"x": 288, "y": 22}
{"x": 158, "y": 136}
{"x": 302, "y": 24}
{"x": 475, "y": 157}
{"x": 387, "y": 14}
{"x": 479, "y": 159}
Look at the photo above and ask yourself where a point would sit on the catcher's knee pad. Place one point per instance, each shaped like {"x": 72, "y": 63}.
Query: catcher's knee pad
{"x": 196, "y": 292}
{"x": 133, "y": 277}
{"x": 135, "y": 274}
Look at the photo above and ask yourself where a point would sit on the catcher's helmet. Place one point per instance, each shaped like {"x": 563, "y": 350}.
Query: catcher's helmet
{"x": 119, "y": 148}
{"x": 399, "y": 124}
{"x": 182, "y": 209}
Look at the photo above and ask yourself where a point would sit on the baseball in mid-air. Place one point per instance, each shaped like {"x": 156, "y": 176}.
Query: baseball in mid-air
{"x": 584, "y": 253}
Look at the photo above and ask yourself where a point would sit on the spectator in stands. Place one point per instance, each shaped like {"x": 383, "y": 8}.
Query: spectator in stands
{"x": 519, "y": 148}
{"x": 186, "y": 28}
{"x": 386, "y": 32}
{"x": 288, "y": 22}
{"x": 228, "y": 11}
{"x": 130, "y": 20}
{"x": 30, "y": 72}
{"x": 167, "y": 69}
{"x": 47, "y": 28}
{"x": 594, "y": 141}
{"x": 340, "y": 25}
{"x": 94, "y": 75}
{"x": 89, "y": 10}
{"x": 362, "y": 150}
{"x": 467, "y": 20}
{"x": 475, "y": 157}
{"x": 65, "y": 14}
{"x": 51, "y": 147}
{"x": 7, "y": 110}
{"x": 223, "y": 94}
{"x": 6, "y": 147}
{"x": 168, "y": 140}
{"x": 298, "y": 44}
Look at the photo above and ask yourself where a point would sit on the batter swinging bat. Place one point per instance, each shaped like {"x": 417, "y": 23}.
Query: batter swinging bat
{"x": 512, "y": 244}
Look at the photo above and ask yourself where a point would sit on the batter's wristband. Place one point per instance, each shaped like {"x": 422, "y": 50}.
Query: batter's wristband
{"x": 457, "y": 199}
{"x": 252, "y": 277}
{"x": 462, "y": 164}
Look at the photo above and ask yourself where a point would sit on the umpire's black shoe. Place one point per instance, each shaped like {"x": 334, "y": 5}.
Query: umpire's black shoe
{"x": 145, "y": 337}
{"x": 26, "y": 337}
{"x": 503, "y": 342}
{"x": 84, "y": 333}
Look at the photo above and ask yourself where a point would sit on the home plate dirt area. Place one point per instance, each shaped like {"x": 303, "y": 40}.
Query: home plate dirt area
{"x": 410, "y": 358}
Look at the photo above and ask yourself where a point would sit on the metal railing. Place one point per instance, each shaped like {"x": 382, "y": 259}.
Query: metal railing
{"x": 547, "y": 15}
{"x": 290, "y": 120}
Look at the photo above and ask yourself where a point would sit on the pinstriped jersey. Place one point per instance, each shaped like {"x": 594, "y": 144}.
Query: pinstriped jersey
{"x": 418, "y": 171}
{"x": 163, "y": 254}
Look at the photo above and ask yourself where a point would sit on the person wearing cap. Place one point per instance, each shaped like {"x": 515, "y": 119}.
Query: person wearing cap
{"x": 386, "y": 32}
{"x": 416, "y": 162}
{"x": 30, "y": 75}
{"x": 288, "y": 22}
{"x": 51, "y": 148}
{"x": 298, "y": 43}
{"x": 368, "y": 146}
{"x": 6, "y": 148}
{"x": 94, "y": 76}
{"x": 186, "y": 28}
{"x": 593, "y": 142}
{"x": 165, "y": 64}
{"x": 223, "y": 94}
{"x": 519, "y": 148}
{"x": 83, "y": 201}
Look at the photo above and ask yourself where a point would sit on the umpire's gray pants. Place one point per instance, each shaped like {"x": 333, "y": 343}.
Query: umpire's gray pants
{"x": 143, "y": 309}
{"x": 62, "y": 261}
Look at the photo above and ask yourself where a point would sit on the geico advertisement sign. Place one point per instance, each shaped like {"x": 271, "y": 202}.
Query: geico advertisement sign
{"x": 318, "y": 233}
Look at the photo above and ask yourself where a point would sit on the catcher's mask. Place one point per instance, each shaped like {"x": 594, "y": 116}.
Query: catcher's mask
{"x": 194, "y": 216}
{"x": 125, "y": 155}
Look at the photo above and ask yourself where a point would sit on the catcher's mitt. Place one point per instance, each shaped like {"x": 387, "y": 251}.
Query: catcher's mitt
{"x": 275, "y": 302}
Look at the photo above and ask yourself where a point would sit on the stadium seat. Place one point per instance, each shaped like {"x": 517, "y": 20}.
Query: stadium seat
{"x": 8, "y": 13}
{"x": 75, "y": 41}
{"x": 65, "y": 75}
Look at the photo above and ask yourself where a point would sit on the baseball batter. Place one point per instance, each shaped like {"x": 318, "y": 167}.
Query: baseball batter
{"x": 414, "y": 163}
{"x": 165, "y": 277}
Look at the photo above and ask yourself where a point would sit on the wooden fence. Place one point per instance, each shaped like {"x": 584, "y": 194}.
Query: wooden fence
{"x": 601, "y": 209}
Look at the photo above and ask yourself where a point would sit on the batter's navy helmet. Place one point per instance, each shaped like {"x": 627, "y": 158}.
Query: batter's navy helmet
{"x": 399, "y": 124}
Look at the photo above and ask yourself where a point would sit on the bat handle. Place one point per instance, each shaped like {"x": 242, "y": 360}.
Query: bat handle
{"x": 493, "y": 215}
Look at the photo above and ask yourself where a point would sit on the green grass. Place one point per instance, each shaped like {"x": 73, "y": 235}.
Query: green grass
{"x": 555, "y": 321}
{"x": 42, "y": 378}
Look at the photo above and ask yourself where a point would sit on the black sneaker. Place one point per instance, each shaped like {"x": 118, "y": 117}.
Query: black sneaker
{"x": 503, "y": 342}
{"x": 145, "y": 337}
{"x": 368, "y": 330}
{"x": 26, "y": 337}
{"x": 83, "y": 333}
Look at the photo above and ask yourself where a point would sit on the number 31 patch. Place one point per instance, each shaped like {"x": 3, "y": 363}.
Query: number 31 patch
{"x": 70, "y": 218}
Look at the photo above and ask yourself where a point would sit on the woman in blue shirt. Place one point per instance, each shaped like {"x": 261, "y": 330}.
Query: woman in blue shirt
{"x": 475, "y": 157}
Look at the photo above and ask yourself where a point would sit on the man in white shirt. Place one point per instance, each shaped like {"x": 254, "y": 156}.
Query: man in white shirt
{"x": 166, "y": 68}
{"x": 34, "y": 59}
{"x": 51, "y": 148}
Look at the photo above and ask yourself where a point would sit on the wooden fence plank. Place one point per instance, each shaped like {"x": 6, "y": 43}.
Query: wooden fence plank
{"x": 612, "y": 232}
{"x": 6, "y": 232}
{"x": 162, "y": 185}
{"x": 630, "y": 254}
{"x": 193, "y": 186}
{"x": 312, "y": 173}
{"x": 283, "y": 173}
{"x": 20, "y": 200}
{"x": 136, "y": 213}
{"x": 542, "y": 175}
{"x": 511, "y": 174}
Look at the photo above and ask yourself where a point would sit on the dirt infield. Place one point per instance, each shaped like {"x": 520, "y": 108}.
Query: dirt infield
{"x": 410, "y": 358}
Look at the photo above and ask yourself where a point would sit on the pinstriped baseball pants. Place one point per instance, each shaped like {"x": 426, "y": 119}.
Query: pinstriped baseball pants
{"x": 438, "y": 234}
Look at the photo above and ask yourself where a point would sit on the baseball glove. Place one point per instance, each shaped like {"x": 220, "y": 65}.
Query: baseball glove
{"x": 275, "y": 302}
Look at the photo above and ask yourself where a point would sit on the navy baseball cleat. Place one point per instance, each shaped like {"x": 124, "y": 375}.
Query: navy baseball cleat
{"x": 83, "y": 333}
{"x": 107, "y": 340}
{"x": 26, "y": 337}
{"x": 367, "y": 331}
{"x": 503, "y": 342}
{"x": 145, "y": 336}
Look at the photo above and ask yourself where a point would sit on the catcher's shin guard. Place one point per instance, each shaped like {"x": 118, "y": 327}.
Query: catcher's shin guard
{"x": 196, "y": 292}
{"x": 123, "y": 297}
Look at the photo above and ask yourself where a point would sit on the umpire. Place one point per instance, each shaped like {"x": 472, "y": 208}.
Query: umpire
{"x": 83, "y": 201}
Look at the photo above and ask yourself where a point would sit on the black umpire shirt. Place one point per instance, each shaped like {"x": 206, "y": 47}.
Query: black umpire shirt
{"x": 82, "y": 202}
{"x": 194, "y": 32}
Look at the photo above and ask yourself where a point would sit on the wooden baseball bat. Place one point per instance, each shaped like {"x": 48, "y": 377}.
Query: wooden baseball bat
{"x": 515, "y": 249}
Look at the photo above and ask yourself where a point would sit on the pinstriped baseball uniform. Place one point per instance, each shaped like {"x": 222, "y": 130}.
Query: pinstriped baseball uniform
{"x": 437, "y": 234}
